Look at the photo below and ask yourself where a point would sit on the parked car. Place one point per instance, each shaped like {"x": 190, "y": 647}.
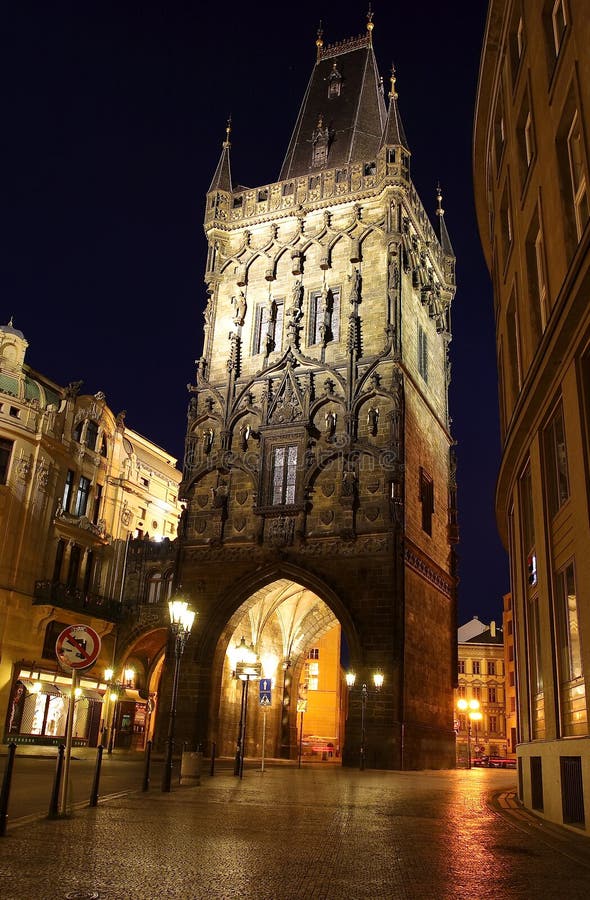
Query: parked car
{"x": 494, "y": 762}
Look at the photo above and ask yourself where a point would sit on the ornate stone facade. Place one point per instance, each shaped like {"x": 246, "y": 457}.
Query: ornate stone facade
{"x": 318, "y": 438}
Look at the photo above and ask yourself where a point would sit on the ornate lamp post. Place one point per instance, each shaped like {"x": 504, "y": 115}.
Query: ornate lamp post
{"x": 181, "y": 622}
{"x": 471, "y": 707}
{"x": 247, "y": 666}
{"x": 378, "y": 683}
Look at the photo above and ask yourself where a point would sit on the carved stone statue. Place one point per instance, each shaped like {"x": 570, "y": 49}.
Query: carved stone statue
{"x": 240, "y": 307}
{"x": 330, "y": 423}
{"x": 373, "y": 419}
{"x": 355, "y": 288}
{"x": 208, "y": 436}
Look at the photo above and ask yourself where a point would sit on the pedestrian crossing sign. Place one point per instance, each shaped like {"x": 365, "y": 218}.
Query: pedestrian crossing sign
{"x": 265, "y": 691}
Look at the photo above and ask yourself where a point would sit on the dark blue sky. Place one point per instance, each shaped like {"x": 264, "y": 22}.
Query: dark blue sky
{"x": 111, "y": 129}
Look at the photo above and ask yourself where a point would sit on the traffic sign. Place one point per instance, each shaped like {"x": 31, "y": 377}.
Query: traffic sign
{"x": 265, "y": 691}
{"x": 77, "y": 647}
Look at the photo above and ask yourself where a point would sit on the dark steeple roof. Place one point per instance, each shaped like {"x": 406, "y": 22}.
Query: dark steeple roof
{"x": 394, "y": 134}
{"x": 443, "y": 234}
{"x": 222, "y": 179}
{"x": 346, "y": 95}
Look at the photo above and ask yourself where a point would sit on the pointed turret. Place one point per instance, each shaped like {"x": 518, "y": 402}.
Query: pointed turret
{"x": 443, "y": 234}
{"x": 344, "y": 92}
{"x": 222, "y": 179}
{"x": 394, "y": 134}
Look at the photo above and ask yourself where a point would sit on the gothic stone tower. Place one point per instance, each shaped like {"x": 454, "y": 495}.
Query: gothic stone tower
{"x": 318, "y": 450}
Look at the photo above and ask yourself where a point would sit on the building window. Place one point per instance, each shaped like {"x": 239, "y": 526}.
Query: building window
{"x": 422, "y": 353}
{"x": 516, "y": 42}
{"x": 577, "y": 168}
{"x": 493, "y": 724}
{"x": 492, "y": 695}
{"x": 461, "y": 667}
{"x": 476, "y": 667}
{"x": 144, "y": 482}
{"x": 511, "y": 679}
{"x": 513, "y": 342}
{"x": 556, "y": 462}
{"x": 96, "y": 504}
{"x": 313, "y": 675}
{"x": 461, "y": 691}
{"x": 527, "y": 525}
{"x": 67, "y": 494}
{"x": 314, "y": 653}
{"x": 14, "y": 411}
{"x": 284, "y": 475}
{"x": 505, "y": 224}
{"x": 52, "y": 632}
{"x": 534, "y": 647}
{"x": 82, "y": 496}
{"x": 499, "y": 134}
{"x": 59, "y": 557}
{"x": 334, "y": 83}
{"x": 427, "y": 500}
{"x": 568, "y": 630}
{"x": 91, "y": 434}
{"x": 5, "y": 454}
{"x": 476, "y": 692}
{"x": 491, "y": 667}
{"x": 154, "y": 588}
{"x": 324, "y": 316}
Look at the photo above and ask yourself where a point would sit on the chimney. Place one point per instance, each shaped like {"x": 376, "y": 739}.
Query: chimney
{"x": 493, "y": 629}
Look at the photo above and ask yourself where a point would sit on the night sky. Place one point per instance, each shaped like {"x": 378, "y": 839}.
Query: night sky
{"x": 113, "y": 119}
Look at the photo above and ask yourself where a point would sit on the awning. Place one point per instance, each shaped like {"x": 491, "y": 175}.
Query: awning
{"x": 47, "y": 687}
{"x": 91, "y": 694}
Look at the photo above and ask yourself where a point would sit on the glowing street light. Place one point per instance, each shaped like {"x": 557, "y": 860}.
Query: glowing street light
{"x": 181, "y": 622}
{"x": 378, "y": 679}
{"x": 471, "y": 709}
{"x": 246, "y": 666}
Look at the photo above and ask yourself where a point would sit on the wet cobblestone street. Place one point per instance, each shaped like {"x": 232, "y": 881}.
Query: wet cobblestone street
{"x": 309, "y": 834}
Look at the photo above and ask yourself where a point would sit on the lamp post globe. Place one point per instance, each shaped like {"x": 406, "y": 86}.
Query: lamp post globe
{"x": 181, "y": 623}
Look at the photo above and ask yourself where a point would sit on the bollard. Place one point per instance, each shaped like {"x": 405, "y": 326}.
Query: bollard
{"x": 54, "y": 802}
{"x": 213, "y": 748}
{"x": 5, "y": 793}
{"x": 96, "y": 779}
{"x": 146, "y": 772}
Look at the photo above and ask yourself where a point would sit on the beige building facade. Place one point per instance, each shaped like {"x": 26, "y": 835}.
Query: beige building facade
{"x": 482, "y": 677}
{"x": 76, "y": 486}
{"x": 531, "y": 174}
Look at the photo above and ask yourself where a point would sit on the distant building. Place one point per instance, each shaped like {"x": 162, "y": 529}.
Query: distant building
{"x": 481, "y": 677}
{"x": 532, "y": 184}
{"x": 76, "y": 486}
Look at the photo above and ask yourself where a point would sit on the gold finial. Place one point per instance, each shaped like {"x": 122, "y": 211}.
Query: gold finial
{"x": 319, "y": 40}
{"x": 392, "y": 92}
{"x": 440, "y": 211}
{"x": 370, "y": 24}
{"x": 226, "y": 143}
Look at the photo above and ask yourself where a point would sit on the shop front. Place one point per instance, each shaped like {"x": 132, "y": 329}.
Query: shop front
{"x": 38, "y": 709}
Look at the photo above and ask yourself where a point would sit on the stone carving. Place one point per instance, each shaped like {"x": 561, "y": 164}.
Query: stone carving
{"x": 355, "y": 287}
{"x": 42, "y": 474}
{"x": 280, "y": 531}
{"x": 373, "y": 419}
{"x": 240, "y": 308}
{"x": 330, "y": 424}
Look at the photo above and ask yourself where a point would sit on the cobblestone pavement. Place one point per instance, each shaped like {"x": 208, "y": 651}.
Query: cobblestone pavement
{"x": 309, "y": 834}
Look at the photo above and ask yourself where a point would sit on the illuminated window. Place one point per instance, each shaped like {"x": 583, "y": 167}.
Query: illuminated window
{"x": 476, "y": 692}
{"x": 570, "y": 656}
{"x": 284, "y": 475}
{"x": 578, "y": 174}
{"x": 461, "y": 691}
{"x": 476, "y": 667}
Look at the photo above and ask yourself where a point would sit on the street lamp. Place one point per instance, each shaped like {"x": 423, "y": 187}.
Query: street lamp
{"x": 114, "y": 692}
{"x": 378, "y": 683}
{"x": 247, "y": 666}
{"x": 181, "y": 622}
{"x": 471, "y": 708}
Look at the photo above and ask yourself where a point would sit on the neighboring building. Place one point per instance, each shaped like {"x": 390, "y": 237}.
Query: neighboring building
{"x": 481, "y": 678}
{"x": 319, "y": 474}
{"x": 510, "y": 671}
{"x": 75, "y": 486}
{"x": 532, "y": 180}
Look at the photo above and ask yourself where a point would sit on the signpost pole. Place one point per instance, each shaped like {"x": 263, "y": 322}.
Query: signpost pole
{"x": 263, "y": 738}
{"x": 69, "y": 731}
{"x": 300, "y": 739}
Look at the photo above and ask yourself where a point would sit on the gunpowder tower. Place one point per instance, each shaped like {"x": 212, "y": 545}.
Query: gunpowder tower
{"x": 319, "y": 481}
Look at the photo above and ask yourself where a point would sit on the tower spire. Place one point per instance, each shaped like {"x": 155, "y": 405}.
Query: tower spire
{"x": 222, "y": 178}
{"x": 370, "y": 24}
{"x": 443, "y": 234}
{"x": 394, "y": 133}
{"x": 319, "y": 40}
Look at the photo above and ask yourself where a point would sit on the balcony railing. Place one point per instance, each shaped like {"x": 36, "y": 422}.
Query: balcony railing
{"x": 58, "y": 594}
